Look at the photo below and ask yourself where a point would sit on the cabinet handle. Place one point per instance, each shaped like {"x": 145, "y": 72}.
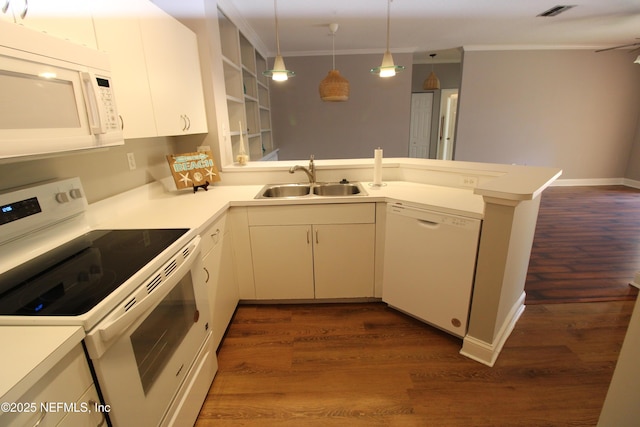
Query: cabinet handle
{"x": 308, "y": 241}
{"x": 317, "y": 237}
{"x": 6, "y": 6}
{"x": 184, "y": 122}
{"x": 42, "y": 415}
{"x": 121, "y": 122}
{"x": 188, "y": 122}
{"x": 93, "y": 404}
{"x": 25, "y": 10}
{"x": 215, "y": 236}
{"x": 208, "y": 276}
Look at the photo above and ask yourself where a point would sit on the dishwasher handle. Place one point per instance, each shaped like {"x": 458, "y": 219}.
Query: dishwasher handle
{"x": 428, "y": 224}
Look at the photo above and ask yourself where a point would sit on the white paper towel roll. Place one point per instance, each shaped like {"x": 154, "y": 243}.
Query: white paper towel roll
{"x": 377, "y": 167}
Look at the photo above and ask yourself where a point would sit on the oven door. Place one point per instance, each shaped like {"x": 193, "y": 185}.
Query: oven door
{"x": 143, "y": 350}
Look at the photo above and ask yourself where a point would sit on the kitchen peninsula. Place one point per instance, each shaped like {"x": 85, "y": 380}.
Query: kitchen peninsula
{"x": 505, "y": 197}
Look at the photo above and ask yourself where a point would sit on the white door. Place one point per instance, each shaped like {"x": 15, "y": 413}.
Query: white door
{"x": 448, "y": 111}
{"x": 421, "y": 109}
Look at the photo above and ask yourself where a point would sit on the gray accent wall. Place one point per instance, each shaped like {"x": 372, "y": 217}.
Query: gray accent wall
{"x": 576, "y": 110}
{"x": 377, "y": 113}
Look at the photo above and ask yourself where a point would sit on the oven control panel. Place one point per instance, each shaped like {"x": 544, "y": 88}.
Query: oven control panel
{"x": 25, "y": 209}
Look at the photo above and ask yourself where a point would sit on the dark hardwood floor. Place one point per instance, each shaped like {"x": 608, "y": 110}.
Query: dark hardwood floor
{"x": 587, "y": 245}
{"x": 368, "y": 365}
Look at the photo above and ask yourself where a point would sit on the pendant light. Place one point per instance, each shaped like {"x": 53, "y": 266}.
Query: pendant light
{"x": 388, "y": 68}
{"x": 432, "y": 82}
{"x": 279, "y": 72}
{"x": 334, "y": 87}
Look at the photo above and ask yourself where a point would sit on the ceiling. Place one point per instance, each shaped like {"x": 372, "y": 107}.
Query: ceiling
{"x": 425, "y": 26}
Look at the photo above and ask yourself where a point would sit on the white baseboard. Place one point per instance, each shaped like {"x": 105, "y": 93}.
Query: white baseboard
{"x": 596, "y": 181}
{"x": 487, "y": 353}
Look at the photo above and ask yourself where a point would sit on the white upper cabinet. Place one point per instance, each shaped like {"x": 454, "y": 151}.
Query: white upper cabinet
{"x": 155, "y": 67}
{"x": 118, "y": 33}
{"x": 67, "y": 19}
{"x": 171, "y": 53}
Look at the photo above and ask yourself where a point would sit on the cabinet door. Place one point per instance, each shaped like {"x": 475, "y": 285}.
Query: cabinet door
{"x": 67, "y": 19}
{"x": 221, "y": 284}
{"x": 171, "y": 54}
{"x": 344, "y": 260}
{"x": 282, "y": 261}
{"x": 118, "y": 33}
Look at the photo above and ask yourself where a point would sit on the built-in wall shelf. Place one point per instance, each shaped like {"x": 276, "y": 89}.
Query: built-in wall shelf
{"x": 247, "y": 92}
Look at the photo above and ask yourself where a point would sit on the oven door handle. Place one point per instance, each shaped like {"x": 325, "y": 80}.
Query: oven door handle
{"x": 117, "y": 326}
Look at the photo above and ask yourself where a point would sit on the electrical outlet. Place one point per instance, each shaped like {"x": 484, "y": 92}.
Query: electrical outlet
{"x": 469, "y": 181}
{"x": 132, "y": 161}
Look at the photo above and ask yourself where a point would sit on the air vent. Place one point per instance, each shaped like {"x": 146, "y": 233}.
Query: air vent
{"x": 130, "y": 304}
{"x": 170, "y": 268}
{"x": 186, "y": 252}
{"x": 154, "y": 283}
{"x": 555, "y": 10}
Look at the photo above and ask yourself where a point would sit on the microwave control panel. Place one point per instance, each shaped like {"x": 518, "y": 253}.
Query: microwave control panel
{"x": 107, "y": 99}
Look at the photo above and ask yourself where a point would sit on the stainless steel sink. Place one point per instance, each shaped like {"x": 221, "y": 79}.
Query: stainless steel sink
{"x": 337, "y": 189}
{"x": 322, "y": 189}
{"x": 285, "y": 190}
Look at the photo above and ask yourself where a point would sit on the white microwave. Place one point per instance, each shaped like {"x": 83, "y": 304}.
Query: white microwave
{"x": 57, "y": 96}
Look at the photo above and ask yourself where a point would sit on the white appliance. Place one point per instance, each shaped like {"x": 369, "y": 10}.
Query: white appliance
{"x": 57, "y": 96}
{"x": 429, "y": 265}
{"x": 139, "y": 294}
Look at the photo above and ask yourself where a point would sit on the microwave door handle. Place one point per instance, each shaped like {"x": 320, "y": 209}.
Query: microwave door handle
{"x": 118, "y": 325}
{"x": 96, "y": 112}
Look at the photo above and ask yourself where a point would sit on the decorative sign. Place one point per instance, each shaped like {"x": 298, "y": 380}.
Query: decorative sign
{"x": 193, "y": 170}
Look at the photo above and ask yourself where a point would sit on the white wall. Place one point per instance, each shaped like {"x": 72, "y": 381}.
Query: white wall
{"x": 103, "y": 173}
{"x": 576, "y": 110}
{"x": 621, "y": 407}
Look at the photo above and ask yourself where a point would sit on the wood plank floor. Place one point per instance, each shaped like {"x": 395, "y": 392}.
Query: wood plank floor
{"x": 368, "y": 365}
{"x": 587, "y": 245}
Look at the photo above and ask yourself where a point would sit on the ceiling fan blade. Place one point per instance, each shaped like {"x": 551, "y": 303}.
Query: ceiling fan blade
{"x": 618, "y": 47}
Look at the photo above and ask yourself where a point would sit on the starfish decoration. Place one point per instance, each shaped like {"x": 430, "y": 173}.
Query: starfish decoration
{"x": 185, "y": 178}
{"x": 210, "y": 173}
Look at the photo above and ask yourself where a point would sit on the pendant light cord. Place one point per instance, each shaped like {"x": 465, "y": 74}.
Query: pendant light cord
{"x": 275, "y": 7}
{"x": 388, "y": 22}
{"x": 333, "y": 49}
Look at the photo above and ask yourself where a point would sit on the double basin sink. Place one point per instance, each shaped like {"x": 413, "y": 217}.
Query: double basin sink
{"x": 332, "y": 189}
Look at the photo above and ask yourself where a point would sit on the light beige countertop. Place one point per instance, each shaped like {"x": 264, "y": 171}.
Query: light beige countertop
{"x": 30, "y": 351}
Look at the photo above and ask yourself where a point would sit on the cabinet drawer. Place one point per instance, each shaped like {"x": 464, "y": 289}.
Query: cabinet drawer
{"x": 352, "y": 213}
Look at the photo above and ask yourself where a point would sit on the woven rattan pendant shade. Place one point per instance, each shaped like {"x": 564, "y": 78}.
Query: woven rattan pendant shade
{"x": 431, "y": 83}
{"x": 334, "y": 87}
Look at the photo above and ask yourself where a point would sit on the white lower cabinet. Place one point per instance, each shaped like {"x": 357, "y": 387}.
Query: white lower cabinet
{"x": 65, "y": 396}
{"x": 306, "y": 252}
{"x": 220, "y": 277}
{"x": 282, "y": 261}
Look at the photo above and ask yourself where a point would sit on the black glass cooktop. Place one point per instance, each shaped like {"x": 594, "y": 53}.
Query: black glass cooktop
{"x": 71, "y": 279}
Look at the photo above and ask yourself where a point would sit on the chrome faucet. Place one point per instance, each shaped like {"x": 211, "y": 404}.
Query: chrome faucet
{"x": 310, "y": 171}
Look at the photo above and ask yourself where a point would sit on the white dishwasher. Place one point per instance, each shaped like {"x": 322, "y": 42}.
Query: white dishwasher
{"x": 429, "y": 265}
